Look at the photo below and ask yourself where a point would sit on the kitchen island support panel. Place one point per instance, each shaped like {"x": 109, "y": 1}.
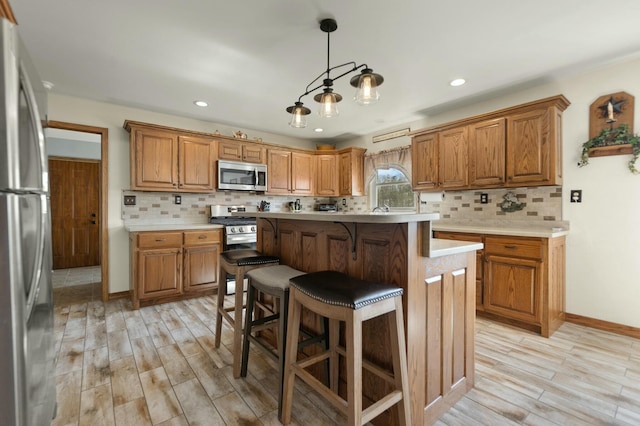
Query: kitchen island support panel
{"x": 439, "y": 300}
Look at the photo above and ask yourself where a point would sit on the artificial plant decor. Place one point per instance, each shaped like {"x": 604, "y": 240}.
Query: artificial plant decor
{"x": 611, "y": 136}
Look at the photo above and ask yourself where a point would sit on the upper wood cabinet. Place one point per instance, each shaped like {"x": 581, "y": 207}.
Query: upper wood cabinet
{"x": 487, "y": 140}
{"x": 351, "y": 171}
{"x": 327, "y": 175}
{"x": 290, "y": 172}
{"x": 517, "y": 146}
{"x": 163, "y": 160}
{"x": 242, "y": 151}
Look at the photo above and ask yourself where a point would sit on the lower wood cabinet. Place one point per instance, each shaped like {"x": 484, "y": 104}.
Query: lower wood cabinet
{"x": 521, "y": 279}
{"x": 167, "y": 266}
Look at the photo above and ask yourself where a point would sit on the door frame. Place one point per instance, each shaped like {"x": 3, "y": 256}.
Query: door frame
{"x": 103, "y": 232}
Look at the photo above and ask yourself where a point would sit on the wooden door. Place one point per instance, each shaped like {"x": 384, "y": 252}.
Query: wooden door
{"x": 424, "y": 159}
{"x": 75, "y": 208}
{"x": 279, "y": 171}
{"x": 302, "y": 173}
{"x": 453, "y": 158}
{"x": 327, "y": 175}
{"x": 528, "y": 148}
{"x": 197, "y": 163}
{"x": 487, "y": 153}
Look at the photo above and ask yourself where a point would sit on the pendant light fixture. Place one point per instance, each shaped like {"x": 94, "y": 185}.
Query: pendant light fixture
{"x": 366, "y": 84}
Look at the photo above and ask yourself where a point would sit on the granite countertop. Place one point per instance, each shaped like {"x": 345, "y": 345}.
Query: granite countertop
{"x": 440, "y": 247}
{"x": 519, "y": 228}
{"x": 378, "y": 217}
{"x": 171, "y": 227}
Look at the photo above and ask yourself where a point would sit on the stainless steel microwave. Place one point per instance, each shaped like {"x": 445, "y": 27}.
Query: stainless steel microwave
{"x": 238, "y": 176}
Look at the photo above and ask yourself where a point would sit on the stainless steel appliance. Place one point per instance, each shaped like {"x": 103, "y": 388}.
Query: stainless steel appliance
{"x": 240, "y": 176}
{"x": 27, "y": 384}
{"x": 238, "y": 232}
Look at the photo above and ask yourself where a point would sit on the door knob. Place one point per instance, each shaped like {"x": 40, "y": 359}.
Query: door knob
{"x": 93, "y": 222}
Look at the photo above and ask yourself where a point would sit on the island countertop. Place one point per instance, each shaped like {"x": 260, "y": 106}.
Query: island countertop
{"x": 521, "y": 228}
{"x": 346, "y": 216}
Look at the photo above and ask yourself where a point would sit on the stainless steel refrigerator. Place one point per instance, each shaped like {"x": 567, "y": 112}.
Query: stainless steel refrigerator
{"x": 27, "y": 382}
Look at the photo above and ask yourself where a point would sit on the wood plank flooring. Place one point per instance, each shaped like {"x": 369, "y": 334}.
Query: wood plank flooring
{"x": 158, "y": 366}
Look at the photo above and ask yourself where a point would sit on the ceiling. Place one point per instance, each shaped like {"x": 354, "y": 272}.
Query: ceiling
{"x": 250, "y": 59}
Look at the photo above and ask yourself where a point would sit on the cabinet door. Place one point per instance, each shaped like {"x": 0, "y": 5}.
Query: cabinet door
{"x": 201, "y": 267}
{"x": 453, "y": 158}
{"x": 159, "y": 273}
{"x": 487, "y": 153}
{"x": 327, "y": 175}
{"x": 197, "y": 163}
{"x": 302, "y": 173}
{"x": 279, "y": 171}
{"x": 424, "y": 159}
{"x": 528, "y": 148}
{"x": 228, "y": 150}
{"x": 513, "y": 287}
{"x": 345, "y": 174}
{"x": 156, "y": 160}
{"x": 253, "y": 153}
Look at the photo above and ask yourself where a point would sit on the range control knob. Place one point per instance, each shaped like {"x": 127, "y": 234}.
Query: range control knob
{"x": 232, "y": 230}
{"x": 241, "y": 230}
{"x": 253, "y": 229}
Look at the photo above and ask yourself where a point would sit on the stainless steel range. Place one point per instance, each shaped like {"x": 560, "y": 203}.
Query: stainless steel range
{"x": 239, "y": 232}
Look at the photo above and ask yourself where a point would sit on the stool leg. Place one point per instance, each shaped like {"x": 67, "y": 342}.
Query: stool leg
{"x": 248, "y": 322}
{"x": 222, "y": 289}
{"x": 399, "y": 357}
{"x": 290, "y": 356}
{"x": 237, "y": 322}
{"x": 334, "y": 357}
{"x": 282, "y": 339}
{"x": 353, "y": 338}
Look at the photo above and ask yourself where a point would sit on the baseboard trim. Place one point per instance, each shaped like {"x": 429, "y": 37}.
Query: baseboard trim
{"x": 612, "y": 327}
{"x": 120, "y": 295}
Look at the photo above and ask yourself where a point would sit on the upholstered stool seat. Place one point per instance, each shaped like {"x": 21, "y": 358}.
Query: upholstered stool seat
{"x": 352, "y": 301}
{"x": 272, "y": 281}
{"x": 237, "y": 263}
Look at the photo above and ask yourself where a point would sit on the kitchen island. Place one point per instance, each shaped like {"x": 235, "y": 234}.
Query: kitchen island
{"x": 438, "y": 278}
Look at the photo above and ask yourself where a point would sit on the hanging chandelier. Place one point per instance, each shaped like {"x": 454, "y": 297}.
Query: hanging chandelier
{"x": 366, "y": 84}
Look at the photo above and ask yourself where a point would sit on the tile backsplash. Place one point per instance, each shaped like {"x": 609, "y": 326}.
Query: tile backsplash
{"x": 160, "y": 208}
{"x": 539, "y": 203}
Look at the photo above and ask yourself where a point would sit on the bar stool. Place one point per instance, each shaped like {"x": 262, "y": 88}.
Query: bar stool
{"x": 236, "y": 262}
{"x": 273, "y": 281}
{"x": 342, "y": 298}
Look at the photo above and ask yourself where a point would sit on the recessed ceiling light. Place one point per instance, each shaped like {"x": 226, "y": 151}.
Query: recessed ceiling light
{"x": 201, "y": 103}
{"x": 458, "y": 82}
{"x": 47, "y": 84}
{"x": 318, "y": 130}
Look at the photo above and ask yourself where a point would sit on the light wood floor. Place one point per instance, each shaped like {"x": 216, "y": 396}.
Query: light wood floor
{"x": 158, "y": 365}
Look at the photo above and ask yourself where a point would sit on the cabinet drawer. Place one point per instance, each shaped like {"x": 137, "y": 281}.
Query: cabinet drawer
{"x": 160, "y": 239}
{"x": 511, "y": 247}
{"x": 202, "y": 237}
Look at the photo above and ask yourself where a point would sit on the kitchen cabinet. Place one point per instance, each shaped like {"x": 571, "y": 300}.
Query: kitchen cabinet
{"x": 513, "y": 147}
{"x": 290, "y": 172}
{"x": 167, "y": 266}
{"x": 163, "y": 160}
{"x": 242, "y": 151}
{"x": 440, "y": 160}
{"x": 522, "y": 279}
{"x": 351, "y": 171}
{"x": 327, "y": 179}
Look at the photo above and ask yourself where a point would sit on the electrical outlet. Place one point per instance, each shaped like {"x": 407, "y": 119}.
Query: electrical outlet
{"x": 484, "y": 198}
{"x": 178, "y": 199}
{"x": 129, "y": 200}
{"x": 344, "y": 201}
{"x": 576, "y": 195}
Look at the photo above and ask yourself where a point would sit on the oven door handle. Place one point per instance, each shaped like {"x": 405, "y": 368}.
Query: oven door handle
{"x": 239, "y": 239}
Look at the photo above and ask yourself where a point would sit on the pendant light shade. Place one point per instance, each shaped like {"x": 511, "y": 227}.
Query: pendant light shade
{"x": 328, "y": 103}
{"x": 366, "y": 87}
{"x": 366, "y": 82}
{"x": 298, "y": 115}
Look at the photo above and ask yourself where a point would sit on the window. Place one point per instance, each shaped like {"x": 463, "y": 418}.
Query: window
{"x": 391, "y": 187}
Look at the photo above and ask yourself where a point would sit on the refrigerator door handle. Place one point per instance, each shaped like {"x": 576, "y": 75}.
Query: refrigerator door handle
{"x": 36, "y": 126}
{"x": 34, "y": 287}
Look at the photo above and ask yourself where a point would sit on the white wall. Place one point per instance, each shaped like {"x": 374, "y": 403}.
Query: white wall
{"x": 603, "y": 249}
{"x": 81, "y": 111}
{"x": 603, "y": 255}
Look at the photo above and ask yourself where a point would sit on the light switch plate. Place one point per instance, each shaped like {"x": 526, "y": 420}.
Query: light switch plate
{"x": 576, "y": 195}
